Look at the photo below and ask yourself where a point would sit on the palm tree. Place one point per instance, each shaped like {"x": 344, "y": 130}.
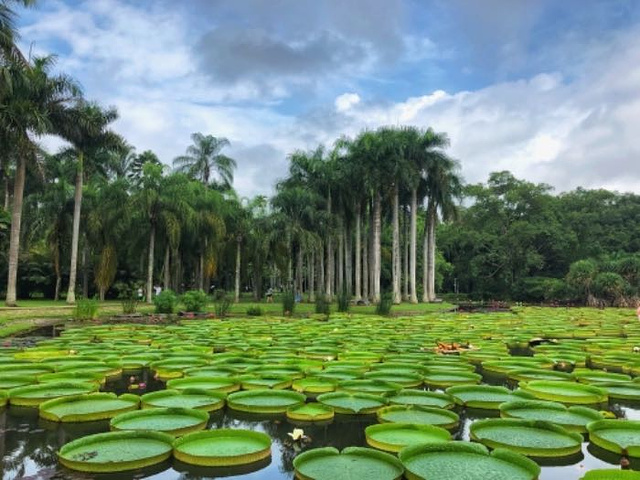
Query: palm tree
{"x": 9, "y": 52}
{"x": 443, "y": 187}
{"x": 33, "y": 102}
{"x": 203, "y": 158}
{"x": 86, "y": 128}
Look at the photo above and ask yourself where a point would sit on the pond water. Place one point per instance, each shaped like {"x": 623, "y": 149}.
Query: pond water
{"x": 28, "y": 444}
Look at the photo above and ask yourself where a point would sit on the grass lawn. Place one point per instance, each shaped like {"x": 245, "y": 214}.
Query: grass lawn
{"x": 30, "y": 314}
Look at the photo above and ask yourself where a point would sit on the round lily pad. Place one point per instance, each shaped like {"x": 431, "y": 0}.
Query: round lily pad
{"x": 622, "y": 390}
{"x": 444, "y": 379}
{"x": 219, "y": 384}
{"x": 486, "y": 397}
{"x": 116, "y": 451}
{"x": 379, "y": 387}
{"x": 9, "y": 381}
{"x": 352, "y": 403}
{"x": 406, "y": 379}
{"x": 565, "y": 392}
{"x": 34, "y": 395}
{"x": 471, "y": 461}
{"x": 88, "y": 377}
{"x": 88, "y": 407}
{"x": 585, "y": 375}
{"x": 572, "y": 418}
{"x": 418, "y": 415}
{"x": 314, "y": 385}
{"x": 611, "y": 474}
{"x": 618, "y": 436}
{"x": 393, "y": 437}
{"x": 276, "y": 382}
{"x": 353, "y": 462}
{"x": 310, "y": 412}
{"x": 534, "y": 438}
{"x": 265, "y": 401}
{"x": 174, "y": 421}
{"x": 222, "y": 448}
{"x": 528, "y": 374}
{"x": 187, "y": 398}
{"x": 423, "y": 398}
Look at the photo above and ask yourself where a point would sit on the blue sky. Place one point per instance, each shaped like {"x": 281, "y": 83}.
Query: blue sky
{"x": 548, "y": 89}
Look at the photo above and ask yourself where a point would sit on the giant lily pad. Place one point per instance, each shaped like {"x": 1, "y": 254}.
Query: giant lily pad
{"x": 444, "y": 379}
{"x": 187, "y": 398}
{"x": 572, "y": 418}
{"x": 88, "y": 407}
{"x": 310, "y": 412}
{"x": 222, "y": 448}
{"x": 486, "y": 397}
{"x": 622, "y": 390}
{"x": 265, "y": 401}
{"x": 618, "y": 436}
{"x": 34, "y": 395}
{"x": 611, "y": 474}
{"x": 314, "y": 385}
{"x": 352, "y": 403}
{"x": 9, "y": 381}
{"x": 565, "y": 392}
{"x": 534, "y": 438}
{"x": 174, "y": 421}
{"x": 418, "y": 415}
{"x": 4, "y": 398}
{"x": 379, "y": 387}
{"x": 116, "y": 451}
{"x": 219, "y": 384}
{"x": 354, "y": 462}
{"x": 423, "y": 398}
{"x": 471, "y": 461}
{"x": 393, "y": 437}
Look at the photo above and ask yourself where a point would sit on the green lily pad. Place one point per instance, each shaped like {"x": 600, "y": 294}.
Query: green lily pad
{"x": 265, "y": 401}
{"x": 379, "y": 387}
{"x": 88, "y": 407}
{"x": 617, "y": 436}
{"x": 444, "y": 379}
{"x": 72, "y": 377}
{"x": 34, "y": 395}
{"x": 218, "y": 384}
{"x": 621, "y": 390}
{"x": 418, "y": 415}
{"x": 528, "y": 374}
{"x": 471, "y": 461}
{"x": 486, "y": 397}
{"x": 393, "y": 437}
{"x": 423, "y": 398}
{"x": 187, "y": 398}
{"x": 611, "y": 474}
{"x": 406, "y": 379}
{"x": 574, "y": 419}
{"x": 534, "y": 438}
{"x": 585, "y": 375}
{"x": 314, "y": 385}
{"x": 565, "y": 392}
{"x": 116, "y": 451}
{"x": 174, "y": 421}
{"x": 9, "y": 381}
{"x": 310, "y": 412}
{"x": 276, "y": 382}
{"x": 222, "y": 448}
{"x": 4, "y": 398}
{"x": 353, "y": 462}
{"x": 352, "y": 403}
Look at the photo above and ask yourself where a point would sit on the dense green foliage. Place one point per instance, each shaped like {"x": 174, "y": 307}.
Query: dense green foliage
{"x": 166, "y": 301}
{"x": 195, "y": 301}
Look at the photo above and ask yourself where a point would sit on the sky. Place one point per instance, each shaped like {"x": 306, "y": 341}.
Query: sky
{"x": 548, "y": 89}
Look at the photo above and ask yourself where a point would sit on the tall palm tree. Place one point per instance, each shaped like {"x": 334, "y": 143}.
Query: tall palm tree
{"x": 86, "y": 128}
{"x": 204, "y": 158}
{"x": 9, "y": 52}
{"x": 33, "y": 102}
{"x": 443, "y": 187}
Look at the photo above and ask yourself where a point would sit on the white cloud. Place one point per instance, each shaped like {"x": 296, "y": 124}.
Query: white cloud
{"x": 346, "y": 101}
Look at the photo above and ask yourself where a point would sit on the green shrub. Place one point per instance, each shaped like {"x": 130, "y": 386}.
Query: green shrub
{"x": 323, "y": 306}
{"x": 288, "y": 302}
{"x": 128, "y": 300}
{"x": 166, "y": 301}
{"x": 221, "y": 304}
{"x": 86, "y": 309}
{"x": 344, "y": 301}
{"x": 383, "y": 307}
{"x": 195, "y": 301}
{"x": 255, "y": 311}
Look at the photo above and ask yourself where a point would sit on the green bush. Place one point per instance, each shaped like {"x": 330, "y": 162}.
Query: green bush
{"x": 128, "y": 300}
{"x": 344, "y": 301}
{"x": 383, "y": 307}
{"x": 323, "y": 306}
{"x": 255, "y": 311}
{"x": 86, "y": 309}
{"x": 221, "y": 304}
{"x": 166, "y": 301}
{"x": 195, "y": 301}
{"x": 288, "y": 302}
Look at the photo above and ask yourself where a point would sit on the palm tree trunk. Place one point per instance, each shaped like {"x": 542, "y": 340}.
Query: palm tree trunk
{"x": 329, "y": 266}
{"x": 348, "y": 263}
{"x": 312, "y": 276}
{"x": 377, "y": 253}
{"x": 321, "y": 275}
{"x": 152, "y": 246}
{"x": 358, "y": 266}
{"x": 167, "y": 268}
{"x": 340, "y": 285}
{"x": 365, "y": 263}
{"x": 7, "y": 193}
{"x": 395, "y": 247}
{"x": 77, "y": 206}
{"x": 431, "y": 254}
{"x": 405, "y": 257}
{"x": 413, "y": 257}
{"x": 14, "y": 241}
{"x": 56, "y": 295}
{"x": 238, "y": 265}
{"x": 85, "y": 268}
{"x": 299, "y": 265}
{"x": 201, "y": 272}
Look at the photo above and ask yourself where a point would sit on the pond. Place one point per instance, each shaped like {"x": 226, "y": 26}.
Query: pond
{"x": 29, "y": 444}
